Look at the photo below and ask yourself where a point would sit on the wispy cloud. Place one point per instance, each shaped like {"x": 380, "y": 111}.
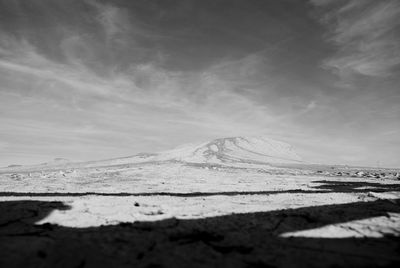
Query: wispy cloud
{"x": 366, "y": 33}
{"x": 113, "y": 19}
{"x": 141, "y": 101}
{"x": 311, "y": 105}
{"x": 94, "y": 79}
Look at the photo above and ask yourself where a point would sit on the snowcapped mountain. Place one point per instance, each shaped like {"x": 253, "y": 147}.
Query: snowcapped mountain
{"x": 255, "y": 150}
{"x": 234, "y": 151}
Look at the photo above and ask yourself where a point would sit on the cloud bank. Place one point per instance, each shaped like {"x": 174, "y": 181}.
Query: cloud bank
{"x": 366, "y": 33}
{"x": 97, "y": 79}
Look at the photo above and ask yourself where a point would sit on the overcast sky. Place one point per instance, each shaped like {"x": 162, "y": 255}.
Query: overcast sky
{"x": 95, "y": 79}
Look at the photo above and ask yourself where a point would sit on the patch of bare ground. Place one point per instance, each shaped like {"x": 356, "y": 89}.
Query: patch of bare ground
{"x": 237, "y": 240}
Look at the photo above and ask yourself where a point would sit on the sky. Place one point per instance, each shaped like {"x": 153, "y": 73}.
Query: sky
{"x": 94, "y": 79}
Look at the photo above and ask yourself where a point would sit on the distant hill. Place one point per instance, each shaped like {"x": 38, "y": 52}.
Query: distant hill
{"x": 233, "y": 151}
{"x": 14, "y": 166}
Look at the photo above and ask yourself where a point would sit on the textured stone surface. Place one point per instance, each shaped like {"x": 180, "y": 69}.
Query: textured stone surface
{"x": 183, "y": 215}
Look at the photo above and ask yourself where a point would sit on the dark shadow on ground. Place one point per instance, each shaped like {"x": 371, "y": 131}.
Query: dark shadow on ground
{"x": 237, "y": 240}
{"x": 325, "y": 187}
{"x": 175, "y": 194}
{"x": 355, "y": 186}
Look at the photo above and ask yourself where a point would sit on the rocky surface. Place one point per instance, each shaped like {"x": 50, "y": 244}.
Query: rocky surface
{"x": 218, "y": 204}
{"x": 179, "y": 215}
{"x": 239, "y": 240}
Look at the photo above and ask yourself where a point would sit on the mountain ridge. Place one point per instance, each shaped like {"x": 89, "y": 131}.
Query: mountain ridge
{"x": 226, "y": 151}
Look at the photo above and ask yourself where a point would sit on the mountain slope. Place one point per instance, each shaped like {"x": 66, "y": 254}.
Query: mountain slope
{"x": 256, "y": 150}
{"x": 228, "y": 151}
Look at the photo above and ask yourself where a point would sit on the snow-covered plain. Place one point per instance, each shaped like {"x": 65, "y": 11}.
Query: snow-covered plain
{"x": 221, "y": 178}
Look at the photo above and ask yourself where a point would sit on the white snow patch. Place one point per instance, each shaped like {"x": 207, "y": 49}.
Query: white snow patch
{"x": 105, "y": 210}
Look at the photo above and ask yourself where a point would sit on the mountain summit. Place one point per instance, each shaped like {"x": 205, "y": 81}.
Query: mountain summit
{"x": 255, "y": 150}
{"x": 233, "y": 151}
